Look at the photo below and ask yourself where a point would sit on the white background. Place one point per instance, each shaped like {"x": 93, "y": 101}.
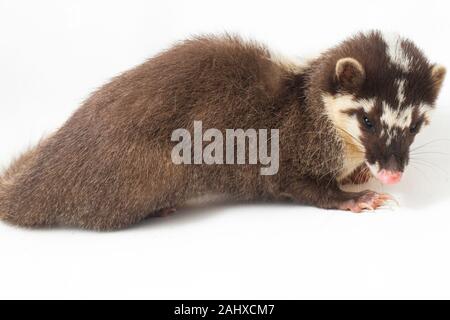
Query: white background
{"x": 54, "y": 53}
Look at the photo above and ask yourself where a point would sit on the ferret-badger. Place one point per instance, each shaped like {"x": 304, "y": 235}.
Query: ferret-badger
{"x": 344, "y": 116}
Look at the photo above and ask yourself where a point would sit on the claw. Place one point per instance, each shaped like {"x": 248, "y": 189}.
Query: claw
{"x": 368, "y": 201}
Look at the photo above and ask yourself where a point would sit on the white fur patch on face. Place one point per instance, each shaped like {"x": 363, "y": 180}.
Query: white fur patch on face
{"x": 394, "y": 119}
{"x": 395, "y": 51}
{"x": 400, "y": 118}
{"x": 367, "y": 104}
{"x": 401, "y": 90}
{"x": 425, "y": 110}
{"x": 374, "y": 168}
{"x": 334, "y": 105}
{"x": 347, "y": 127}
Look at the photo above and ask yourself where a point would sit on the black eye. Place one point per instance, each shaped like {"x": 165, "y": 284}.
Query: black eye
{"x": 413, "y": 128}
{"x": 367, "y": 122}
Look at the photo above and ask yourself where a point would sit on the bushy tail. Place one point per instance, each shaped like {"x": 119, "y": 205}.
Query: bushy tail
{"x": 9, "y": 176}
{"x": 1, "y": 198}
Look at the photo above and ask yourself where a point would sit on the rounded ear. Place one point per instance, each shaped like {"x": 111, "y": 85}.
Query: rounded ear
{"x": 350, "y": 73}
{"x": 437, "y": 76}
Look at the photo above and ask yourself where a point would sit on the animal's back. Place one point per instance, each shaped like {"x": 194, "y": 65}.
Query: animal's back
{"x": 109, "y": 165}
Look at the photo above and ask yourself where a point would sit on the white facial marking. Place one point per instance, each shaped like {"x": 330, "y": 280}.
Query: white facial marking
{"x": 374, "y": 168}
{"x": 395, "y": 51}
{"x": 347, "y": 127}
{"x": 335, "y": 105}
{"x": 389, "y": 139}
{"x": 400, "y": 118}
{"x": 394, "y": 118}
{"x": 401, "y": 90}
{"x": 367, "y": 104}
{"x": 425, "y": 108}
{"x": 341, "y": 102}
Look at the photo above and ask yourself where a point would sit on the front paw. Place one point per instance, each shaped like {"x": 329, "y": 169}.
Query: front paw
{"x": 368, "y": 200}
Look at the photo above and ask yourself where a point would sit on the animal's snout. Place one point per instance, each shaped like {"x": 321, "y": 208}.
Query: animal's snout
{"x": 389, "y": 176}
{"x": 391, "y": 170}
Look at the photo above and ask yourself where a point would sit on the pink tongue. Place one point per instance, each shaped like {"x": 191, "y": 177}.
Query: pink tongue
{"x": 389, "y": 177}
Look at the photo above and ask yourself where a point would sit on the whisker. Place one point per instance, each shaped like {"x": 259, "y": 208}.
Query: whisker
{"x": 430, "y": 165}
{"x": 429, "y": 142}
{"x": 416, "y": 167}
{"x": 430, "y": 152}
{"x": 351, "y": 135}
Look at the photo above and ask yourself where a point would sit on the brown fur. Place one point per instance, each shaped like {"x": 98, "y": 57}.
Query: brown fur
{"x": 109, "y": 165}
{"x": 360, "y": 176}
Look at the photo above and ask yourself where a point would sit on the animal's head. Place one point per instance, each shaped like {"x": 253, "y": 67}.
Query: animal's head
{"x": 379, "y": 92}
